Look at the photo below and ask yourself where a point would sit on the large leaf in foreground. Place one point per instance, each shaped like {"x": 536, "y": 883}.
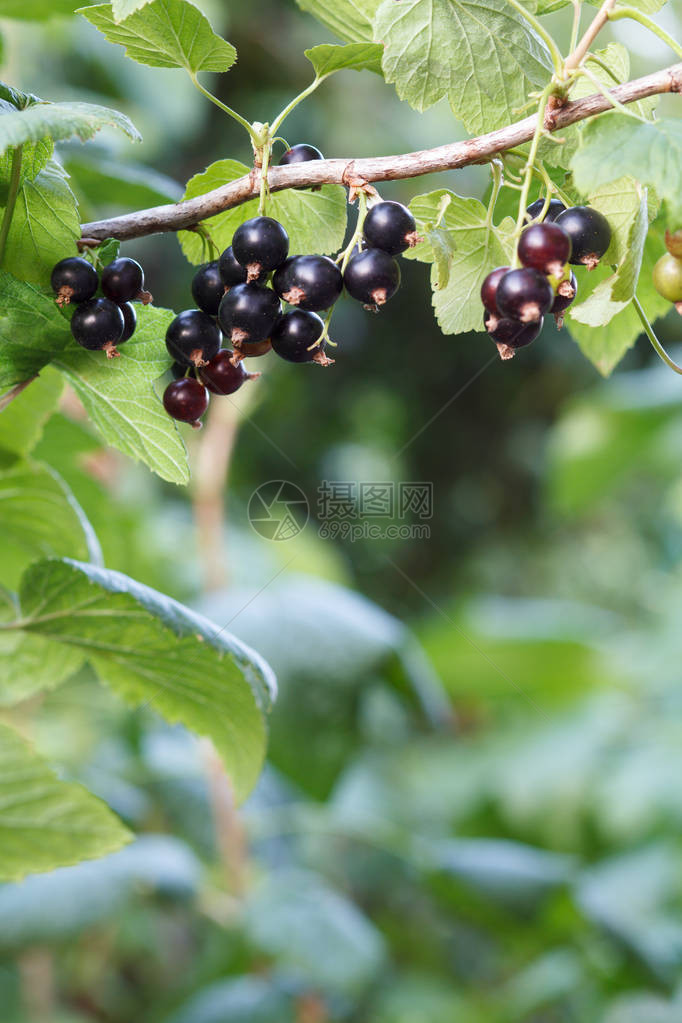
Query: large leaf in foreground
{"x": 32, "y": 330}
{"x": 351, "y": 20}
{"x": 60, "y": 121}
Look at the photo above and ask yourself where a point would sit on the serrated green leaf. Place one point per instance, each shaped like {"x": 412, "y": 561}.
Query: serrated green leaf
{"x": 44, "y": 822}
{"x": 165, "y": 33}
{"x": 107, "y": 252}
{"x": 22, "y": 421}
{"x": 33, "y": 664}
{"x": 649, "y": 151}
{"x": 352, "y": 20}
{"x": 326, "y": 59}
{"x": 32, "y": 330}
{"x": 153, "y": 651}
{"x": 476, "y": 249}
{"x": 120, "y": 399}
{"x": 60, "y": 121}
{"x": 123, "y": 8}
{"x": 481, "y": 54}
{"x": 35, "y": 10}
{"x": 315, "y": 221}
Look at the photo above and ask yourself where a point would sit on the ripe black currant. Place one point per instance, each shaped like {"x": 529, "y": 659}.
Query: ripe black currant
{"x": 192, "y": 338}
{"x": 295, "y": 334}
{"x": 129, "y": 321}
{"x": 223, "y": 376}
{"x": 589, "y": 232}
{"x": 372, "y": 277}
{"x": 186, "y": 400}
{"x": 301, "y": 153}
{"x": 509, "y": 335}
{"x": 74, "y": 280}
{"x": 566, "y": 293}
{"x": 208, "y": 288}
{"x": 230, "y": 270}
{"x": 251, "y": 351}
{"x": 553, "y": 210}
{"x": 123, "y": 280}
{"x": 545, "y": 247}
{"x": 260, "y": 244}
{"x": 310, "y": 282}
{"x": 98, "y": 325}
{"x": 524, "y": 295}
{"x": 489, "y": 291}
{"x": 248, "y": 312}
{"x": 391, "y": 227}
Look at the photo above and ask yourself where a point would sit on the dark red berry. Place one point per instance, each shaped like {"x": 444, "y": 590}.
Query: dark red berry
{"x": 489, "y": 289}
{"x": 129, "y": 321}
{"x": 555, "y": 208}
{"x": 248, "y": 312}
{"x": 208, "y": 288}
{"x": 98, "y": 325}
{"x": 589, "y": 232}
{"x": 74, "y": 280}
{"x": 192, "y": 338}
{"x": 123, "y": 280}
{"x": 301, "y": 153}
{"x": 186, "y": 400}
{"x": 310, "y": 282}
{"x": 509, "y": 335}
{"x": 524, "y": 295}
{"x": 260, "y": 244}
{"x": 222, "y": 375}
{"x": 295, "y": 336}
{"x": 545, "y": 247}
{"x": 391, "y": 227}
{"x": 372, "y": 277}
{"x": 251, "y": 351}
{"x": 566, "y": 293}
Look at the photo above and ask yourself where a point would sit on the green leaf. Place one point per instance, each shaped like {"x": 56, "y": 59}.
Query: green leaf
{"x": 32, "y": 330}
{"x": 123, "y": 8}
{"x": 44, "y": 822}
{"x": 315, "y": 221}
{"x": 35, "y": 10}
{"x": 352, "y": 20}
{"x": 60, "y": 121}
{"x": 153, "y": 651}
{"x": 474, "y": 250}
{"x": 102, "y": 180}
{"x": 22, "y": 421}
{"x": 326, "y": 59}
{"x": 650, "y": 151}
{"x": 165, "y": 33}
{"x": 481, "y": 54}
{"x": 119, "y": 396}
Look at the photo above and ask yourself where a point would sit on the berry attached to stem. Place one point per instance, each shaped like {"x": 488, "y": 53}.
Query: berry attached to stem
{"x": 372, "y": 277}
{"x": 489, "y": 292}
{"x": 296, "y": 337}
{"x": 509, "y": 335}
{"x": 545, "y": 247}
{"x": 555, "y": 208}
{"x": 260, "y": 244}
{"x": 667, "y": 278}
{"x": 98, "y": 326}
{"x": 251, "y": 351}
{"x": 248, "y": 312}
{"x": 186, "y": 400}
{"x": 192, "y": 338}
{"x": 301, "y": 153}
{"x": 208, "y": 288}
{"x": 390, "y": 226}
{"x": 589, "y": 232}
{"x": 566, "y": 293}
{"x": 123, "y": 280}
{"x": 129, "y": 321}
{"x": 223, "y": 376}
{"x": 73, "y": 280}
{"x": 310, "y": 282}
{"x": 524, "y": 295}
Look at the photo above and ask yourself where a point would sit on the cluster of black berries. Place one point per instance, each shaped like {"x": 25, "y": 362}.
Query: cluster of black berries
{"x": 516, "y": 301}
{"x": 100, "y": 324}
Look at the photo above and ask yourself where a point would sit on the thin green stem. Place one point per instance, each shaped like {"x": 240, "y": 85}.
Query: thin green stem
{"x": 608, "y": 95}
{"x": 257, "y": 141}
{"x": 496, "y": 171}
{"x": 577, "y": 11}
{"x": 357, "y": 233}
{"x": 557, "y": 59}
{"x": 643, "y": 19}
{"x": 267, "y": 153}
{"x": 649, "y": 331}
{"x": 12, "y": 193}
{"x": 530, "y": 164}
{"x": 281, "y": 117}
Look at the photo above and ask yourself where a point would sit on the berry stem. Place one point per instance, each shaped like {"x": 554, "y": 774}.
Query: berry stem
{"x": 575, "y": 29}
{"x": 650, "y": 333}
{"x": 605, "y": 92}
{"x": 496, "y": 169}
{"x": 530, "y": 166}
{"x": 283, "y": 114}
{"x": 227, "y": 110}
{"x": 264, "y": 191}
{"x": 357, "y": 233}
{"x": 554, "y": 50}
{"x": 12, "y": 193}
{"x": 643, "y": 19}
{"x": 578, "y": 54}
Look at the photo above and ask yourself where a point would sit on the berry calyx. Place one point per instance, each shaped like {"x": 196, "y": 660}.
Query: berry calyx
{"x": 545, "y": 247}
{"x": 129, "y": 321}
{"x": 98, "y": 325}
{"x": 73, "y": 280}
{"x": 667, "y": 278}
{"x": 310, "y": 282}
{"x": 251, "y": 351}
{"x": 192, "y": 338}
{"x": 372, "y": 277}
{"x": 123, "y": 280}
{"x": 248, "y": 312}
{"x": 589, "y": 232}
{"x": 223, "y": 376}
{"x": 489, "y": 293}
{"x": 555, "y": 208}
{"x": 509, "y": 335}
{"x": 301, "y": 153}
{"x": 260, "y": 244}
{"x": 566, "y": 293}
{"x": 186, "y": 400}
{"x": 524, "y": 295}
{"x": 296, "y": 335}
{"x": 391, "y": 227}
{"x": 208, "y": 288}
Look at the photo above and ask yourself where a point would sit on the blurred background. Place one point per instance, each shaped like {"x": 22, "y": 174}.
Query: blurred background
{"x": 471, "y": 810}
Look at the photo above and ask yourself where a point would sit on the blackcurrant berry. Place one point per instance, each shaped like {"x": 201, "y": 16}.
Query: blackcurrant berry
{"x": 231, "y": 271}
{"x": 301, "y": 153}
{"x": 509, "y": 335}
{"x": 372, "y": 277}
{"x": 391, "y": 227}
{"x": 566, "y": 293}
{"x": 489, "y": 290}
{"x": 545, "y": 247}
{"x": 74, "y": 280}
{"x": 208, "y": 288}
{"x": 98, "y": 325}
{"x": 260, "y": 244}
{"x": 192, "y": 338}
{"x": 248, "y": 312}
{"x": 553, "y": 210}
{"x": 129, "y": 321}
{"x": 123, "y": 280}
{"x": 186, "y": 400}
{"x": 251, "y": 351}
{"x": 310, "y": 282}
{"x": 223, "y": 376}
{"x": 294, "y": 336}
{"x": 524, "y": 295}
{"x": 667, "y": 278}
{"x": 589, "y": 232}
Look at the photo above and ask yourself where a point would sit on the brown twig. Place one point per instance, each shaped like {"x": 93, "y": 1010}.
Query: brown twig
{"x": 181, "y": 216}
